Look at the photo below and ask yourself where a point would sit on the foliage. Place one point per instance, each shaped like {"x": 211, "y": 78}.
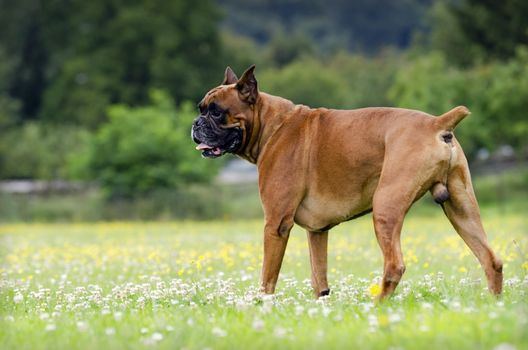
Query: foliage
{"x": 307, "y": 82}
{"x": 340, "y": 81}
{"x": 471, "y": 31}
{"x": 493, "y": 92}
{"x": 195, "y": 285}
{"x": 72, "y": 59}
{"x": 40, "y": 151}
{"x": 360, "y": 25}
{"x": 144, "y": 148}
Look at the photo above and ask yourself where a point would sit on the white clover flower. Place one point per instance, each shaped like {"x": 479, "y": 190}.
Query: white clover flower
{"x": 423, "y": 328}
{"x": 118, "y": 316}
{"x": 82, "y": 326}
{"x": 110, "y": 331}
{"x": 157, "y": 336}
{"x": 143, "y": 330}
{"x": 372, "y": 320}
{"x": 326, "y": 311}
{"x": 427, "y": 306}
{"x": 394, "y": 318}
{"x": 505, "y": 346}
{"x": 279, "y": 332}
{"x": 219, "y": 332}
{"x": 299, "y": 309}
{"x": 51, "y": 327}
{"x": 258, "y": 324}
{"x": 18, "y": 298}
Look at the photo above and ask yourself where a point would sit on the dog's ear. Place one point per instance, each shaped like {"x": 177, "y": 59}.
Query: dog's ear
{"x": 229, "y": 77}
{"x": 247, "y": 86}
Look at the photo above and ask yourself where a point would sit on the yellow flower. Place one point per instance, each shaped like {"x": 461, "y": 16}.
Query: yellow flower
{"x": 525, "y": 265}
{"x": 462, "y": 269}
{"x": 374, "y": 290}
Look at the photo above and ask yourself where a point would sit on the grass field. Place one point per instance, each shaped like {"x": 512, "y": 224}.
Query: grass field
{"x": 191, "y": 285}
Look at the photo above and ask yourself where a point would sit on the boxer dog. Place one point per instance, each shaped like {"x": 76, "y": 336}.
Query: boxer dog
{"x": 320, "y": 167}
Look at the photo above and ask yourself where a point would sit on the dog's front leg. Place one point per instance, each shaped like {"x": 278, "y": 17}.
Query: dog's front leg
{"x": 318, "y": 243}
{"x": 275, "y": 240}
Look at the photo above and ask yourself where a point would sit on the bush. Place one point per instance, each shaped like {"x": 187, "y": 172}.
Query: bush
{"x": 42, "y": 151}
{"x": 306, "y": 81}
{"x": 495, "y": 94}
{"x": 141, "y": 149}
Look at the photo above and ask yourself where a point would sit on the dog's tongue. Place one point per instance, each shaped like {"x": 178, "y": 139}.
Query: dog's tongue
{"x": 203, "y": 147}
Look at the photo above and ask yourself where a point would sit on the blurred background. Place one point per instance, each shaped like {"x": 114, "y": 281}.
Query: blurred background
{"x": 97, "y": 97}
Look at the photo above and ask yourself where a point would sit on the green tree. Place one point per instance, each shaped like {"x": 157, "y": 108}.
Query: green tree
{"x": 473, "y": 31}
{"x": 495, "y": 93}
{"x": 72, "y": 59}
{"x": 306, "y": 81}
{"x": 141, "y": 149}
{"x": 431, "y": 85}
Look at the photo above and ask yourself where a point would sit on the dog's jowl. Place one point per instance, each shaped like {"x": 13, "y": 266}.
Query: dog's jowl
{"x": 320, "y": 167}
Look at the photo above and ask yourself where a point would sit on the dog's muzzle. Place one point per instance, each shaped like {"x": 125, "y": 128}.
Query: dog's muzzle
{"x": 214, "y": 140}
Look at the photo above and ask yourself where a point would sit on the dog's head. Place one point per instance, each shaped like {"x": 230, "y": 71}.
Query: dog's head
{"x": 226, "y": 113}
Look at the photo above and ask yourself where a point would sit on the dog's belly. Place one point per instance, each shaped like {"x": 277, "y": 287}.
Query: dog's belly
{"x": 320, "y": 211}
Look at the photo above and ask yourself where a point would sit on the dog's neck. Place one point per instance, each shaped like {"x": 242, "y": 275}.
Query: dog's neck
{"x": 269, "y": 113}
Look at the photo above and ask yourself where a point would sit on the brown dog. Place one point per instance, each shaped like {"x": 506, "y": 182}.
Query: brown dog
{"x": 320, "y": 167}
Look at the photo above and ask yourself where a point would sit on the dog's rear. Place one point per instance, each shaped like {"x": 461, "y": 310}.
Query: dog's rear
{"x": 458, "y": 200}
{"x": 429, "y": 159}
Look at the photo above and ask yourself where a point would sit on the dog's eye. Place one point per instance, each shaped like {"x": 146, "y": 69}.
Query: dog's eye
{"x": 215, "y": 111}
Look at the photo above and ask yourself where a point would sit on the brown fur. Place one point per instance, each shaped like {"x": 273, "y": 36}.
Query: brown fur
{"x": 320, "y": 167}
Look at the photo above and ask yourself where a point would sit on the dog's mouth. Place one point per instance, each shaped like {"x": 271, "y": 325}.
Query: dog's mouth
{"x": 210, "y": 151}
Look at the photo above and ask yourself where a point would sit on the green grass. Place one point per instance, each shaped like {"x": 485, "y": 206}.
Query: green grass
{"x": 195, "y": 285}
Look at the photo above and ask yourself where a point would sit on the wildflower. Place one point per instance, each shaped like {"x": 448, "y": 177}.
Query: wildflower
{"x": 219, "y": 332}
{"x": 110, "y": 331}
{"x": 299, "y": 309}
{"x": 279, "y": 332}
{"x": 51, "y": 327}
{"x": 258, "y": 324}
{"x": 18, "y": 298}
{"x": 394, "y": 318}
{"x": 505, "y": 346}
{"x": 157, "y": 336}
{"x": 423, "y": 328}
{"x": 82, "y": 326}
{"x": 374, "y": 290}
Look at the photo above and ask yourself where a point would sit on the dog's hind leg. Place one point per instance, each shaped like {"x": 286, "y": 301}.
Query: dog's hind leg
{"x": 390, "y": 204}
{"x": 318, "y": 244}
{"x": 462, "y": 210}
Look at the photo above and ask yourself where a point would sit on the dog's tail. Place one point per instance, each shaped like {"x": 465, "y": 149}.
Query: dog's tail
{"x": 449, "y": 120}
{"x": 445, "y": 124}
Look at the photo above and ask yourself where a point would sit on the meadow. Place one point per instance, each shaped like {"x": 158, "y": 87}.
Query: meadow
{"x": 194, "y": 285}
